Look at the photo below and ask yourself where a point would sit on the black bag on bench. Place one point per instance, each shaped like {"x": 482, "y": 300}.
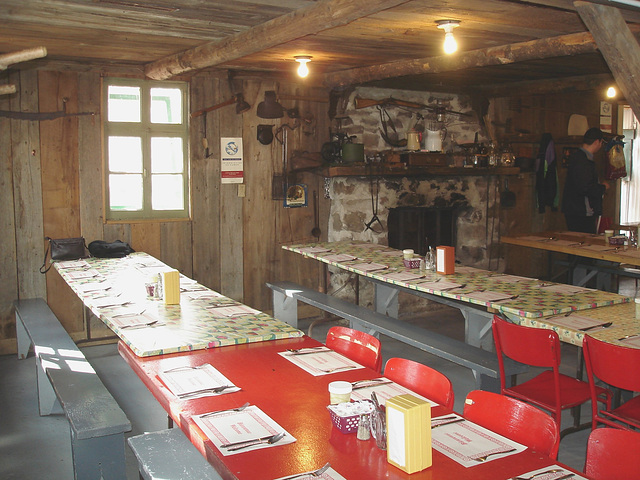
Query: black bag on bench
{"x": 117, "y": 249}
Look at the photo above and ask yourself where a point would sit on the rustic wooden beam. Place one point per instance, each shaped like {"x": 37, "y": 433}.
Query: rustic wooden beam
{"x": 7, "y": 89}
{"x": 548, "y": 86}
{"x": 7, "y": 59}
{"x": 572, "y": 44}
{"x": 618, "y": 46}
{"x": 310, "y": 20}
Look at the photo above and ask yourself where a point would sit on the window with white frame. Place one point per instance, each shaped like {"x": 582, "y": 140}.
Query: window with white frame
{"x": 146, "y": 149}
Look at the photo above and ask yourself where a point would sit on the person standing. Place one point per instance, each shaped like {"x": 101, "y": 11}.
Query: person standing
{"x": 582, "y": 195}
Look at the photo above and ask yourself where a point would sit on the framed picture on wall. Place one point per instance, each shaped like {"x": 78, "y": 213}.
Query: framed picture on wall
{"x": 296, "y": 196}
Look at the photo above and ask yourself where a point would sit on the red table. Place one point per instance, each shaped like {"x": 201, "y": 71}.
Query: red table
{"x": 297, "y": 401}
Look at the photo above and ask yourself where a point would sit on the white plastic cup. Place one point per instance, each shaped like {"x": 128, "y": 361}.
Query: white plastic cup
{"x": 339, "y": 392}
{"x": 407, "y": 254}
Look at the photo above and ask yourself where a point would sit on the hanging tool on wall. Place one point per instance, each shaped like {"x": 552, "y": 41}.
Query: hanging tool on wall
{"x": 374, "y": 184}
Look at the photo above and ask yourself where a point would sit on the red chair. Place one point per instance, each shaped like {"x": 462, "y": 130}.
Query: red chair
{"x": 619, "y": 367}
{"x": 421, "y": 379}
{"x": 550, "y": 390}
{"x": 612, "y": 454}
{"x": 519, "y": 421}
{"x": 358, "y": 346}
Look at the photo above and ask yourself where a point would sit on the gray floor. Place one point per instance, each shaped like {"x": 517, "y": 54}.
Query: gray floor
{"x": 34, "y": 447}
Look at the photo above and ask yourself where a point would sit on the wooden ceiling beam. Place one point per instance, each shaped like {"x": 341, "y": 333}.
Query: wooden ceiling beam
{"x": 572, "y": 44}
{"x": 618, "y": 46}
{"x": 548, "y": 86}
{"x": 297, "y": 24}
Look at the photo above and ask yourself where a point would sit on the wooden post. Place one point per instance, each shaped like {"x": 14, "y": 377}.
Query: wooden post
{"x": 618, "y": 46}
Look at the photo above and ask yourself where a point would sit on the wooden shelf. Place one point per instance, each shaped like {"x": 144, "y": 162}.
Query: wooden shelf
{"x": 400, "y": 169}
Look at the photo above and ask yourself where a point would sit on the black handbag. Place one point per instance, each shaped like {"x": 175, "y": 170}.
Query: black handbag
{"x": 115, "y": 249}
{"x": 63, "y": 249}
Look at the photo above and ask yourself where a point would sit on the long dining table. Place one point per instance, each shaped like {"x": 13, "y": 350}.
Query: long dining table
{"x": 252, "y": 355}
{"x": 297, "y": 401}
{"x": 478, "y": 293}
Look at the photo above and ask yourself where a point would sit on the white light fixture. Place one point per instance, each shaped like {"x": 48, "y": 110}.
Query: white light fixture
{"x": 303, "y": 70}
{"x": 450, "y": 44}
{"x": 611, "y": 92}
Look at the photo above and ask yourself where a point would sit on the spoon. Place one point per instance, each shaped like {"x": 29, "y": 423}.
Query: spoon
{"x": 602, "y": 325}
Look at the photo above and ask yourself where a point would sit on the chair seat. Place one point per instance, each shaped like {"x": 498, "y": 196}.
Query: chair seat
{"x": 628, "y": 412}
{"x": 540, "y": 391}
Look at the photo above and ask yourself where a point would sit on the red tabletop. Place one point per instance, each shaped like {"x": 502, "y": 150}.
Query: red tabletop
{"x": 297, "y": 401}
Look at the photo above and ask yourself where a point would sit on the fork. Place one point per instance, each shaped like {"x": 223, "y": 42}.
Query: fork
{"x": 237, "y": 409}
{"x": 484, "y": 457}
{"x": 347, "y": 367}
{"x": 205, "y": 390}
{"x": 232, "y": 447}
{"x": 315, "y": 473}
{"x": 546, "y": 472}
{"x": 140, "y": 325}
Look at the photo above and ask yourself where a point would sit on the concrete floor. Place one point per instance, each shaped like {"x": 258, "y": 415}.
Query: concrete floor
{"x": 39, "y": 447}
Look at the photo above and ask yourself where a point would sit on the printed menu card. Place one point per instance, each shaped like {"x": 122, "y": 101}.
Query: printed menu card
{"x": 469, "y": 444}
{"x": 320, "y": 360}
{"x": 234, "y": 431}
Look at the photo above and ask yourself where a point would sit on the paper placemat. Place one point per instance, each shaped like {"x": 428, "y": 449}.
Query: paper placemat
{"x": 384, "y": 388}
{"x": 552, "y": 472}
{"x": 233, "y": 311}
{"x": 319, "y": 362}
{"x": 470, "y": 444}
{"x": 369, "y": 267}
{"x": 339, "y": 257}
{"x": 403, "y": 276}
{"x": 73, "y": 264}
{"x": 329, "y": 474}
{"x": 562, "y": 288}
{"x": 488, "y": 296}
{"x": 195, "y": 382}
{"x": 242, "y": 428}
{"x": 631, "y": 341}
{"x": 575, "y": 321}
{"x": 314, "y": 249}
{"x": 442, "y": 286}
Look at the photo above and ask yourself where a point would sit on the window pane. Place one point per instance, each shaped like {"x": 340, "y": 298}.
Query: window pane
{"x": 166, "y": 105}
{"x": 124, "y": 104}
{"x": 167, "y": 192}
{"x": 125, "y": 154}
{"x": 125, "y": 192}
{"x": 166, "y": 155}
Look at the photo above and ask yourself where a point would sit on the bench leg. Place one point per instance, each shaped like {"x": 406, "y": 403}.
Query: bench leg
{"x": 386, "y": 300}
{"x": 285, "y": 308}
{"x": 99, "y": 458}
{"x": 477, "y": 330}
{"x": 487, "y": 383}
{"x": 48, "y": 403}
{"x": 24, "y": 342}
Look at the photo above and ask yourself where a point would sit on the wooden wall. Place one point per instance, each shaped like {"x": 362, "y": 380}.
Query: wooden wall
{"x": 51, "y": 184}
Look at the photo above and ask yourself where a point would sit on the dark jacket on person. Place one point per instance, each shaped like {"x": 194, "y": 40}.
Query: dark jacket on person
{"x": 581, "y": 182}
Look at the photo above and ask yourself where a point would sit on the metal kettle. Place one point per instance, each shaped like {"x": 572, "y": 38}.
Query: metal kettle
{"x": 413, "y": 140}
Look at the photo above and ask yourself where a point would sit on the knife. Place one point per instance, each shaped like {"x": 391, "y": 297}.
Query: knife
{"x": 371, "y": 384}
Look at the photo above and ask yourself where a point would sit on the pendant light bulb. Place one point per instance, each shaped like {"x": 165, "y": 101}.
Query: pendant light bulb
{"x": 303, "y": 69}
{"x": 611, "y": 92}
{"x": 450, "y": 44}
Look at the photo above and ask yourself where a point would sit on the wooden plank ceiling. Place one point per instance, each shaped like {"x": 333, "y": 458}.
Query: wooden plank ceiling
{"x": 377, "y": 42}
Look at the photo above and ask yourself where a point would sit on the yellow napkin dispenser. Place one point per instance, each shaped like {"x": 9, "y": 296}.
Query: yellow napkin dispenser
{"x": 408, "y": 433}
{"x": 171, "y": 287}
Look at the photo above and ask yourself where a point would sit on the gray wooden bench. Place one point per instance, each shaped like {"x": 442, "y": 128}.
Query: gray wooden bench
{"x": 169, "y": 455}
{"x": 581, "y": 272}
{"x": 68, "y": 384}
{"x": 483, "y": 363}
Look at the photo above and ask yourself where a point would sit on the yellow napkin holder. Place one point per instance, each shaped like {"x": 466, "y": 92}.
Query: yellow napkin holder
{"x": 408, "y": 433}
{"x": 171, "y": 287}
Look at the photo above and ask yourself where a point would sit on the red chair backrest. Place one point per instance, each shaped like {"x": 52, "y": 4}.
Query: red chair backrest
{"x": 514, "y": 419}
{"x": 421, "y": 379}
{"x": 613, "y": 454}
{"x": 358, "y": 346}
{"x": 616, "y": 365}
{"x": 538, "y": 347}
